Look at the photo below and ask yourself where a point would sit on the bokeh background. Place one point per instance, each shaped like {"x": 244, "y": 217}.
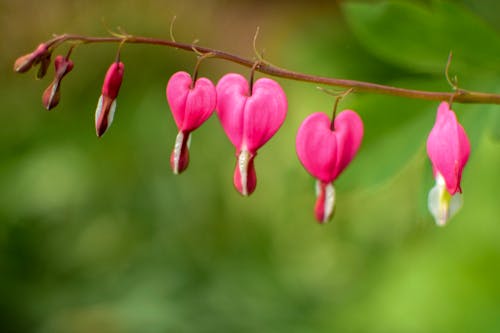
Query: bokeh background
{"x": 98, "y": 235}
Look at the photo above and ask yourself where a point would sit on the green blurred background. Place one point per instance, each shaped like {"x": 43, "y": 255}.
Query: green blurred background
{"x": 98, "y": 235}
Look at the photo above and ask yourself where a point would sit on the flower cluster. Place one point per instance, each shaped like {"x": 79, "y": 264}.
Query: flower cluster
{"x": 252, "y": 112}
{"x": 249, "y": 116}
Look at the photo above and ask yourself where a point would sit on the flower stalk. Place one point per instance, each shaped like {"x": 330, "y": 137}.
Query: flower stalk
{"x": 460, "y": 96}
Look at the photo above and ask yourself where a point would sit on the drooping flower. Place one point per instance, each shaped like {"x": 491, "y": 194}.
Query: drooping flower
{"x": 52, "y": 94}
{"x": 325, "y": 152}
{"x": 191, "y": 105}
{"x": 106, "y": 105}
{"x": 250, "y": 119}
{"x": 448, "y": 148}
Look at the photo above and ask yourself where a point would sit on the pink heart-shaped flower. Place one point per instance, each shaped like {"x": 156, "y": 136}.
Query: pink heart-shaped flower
{"x": 190, "y": 106}
{"x": 324, "y": 152}
{"x": 250, "y": 120}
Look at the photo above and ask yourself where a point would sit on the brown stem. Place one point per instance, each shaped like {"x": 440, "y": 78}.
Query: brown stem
{"x": 461, "y": 96}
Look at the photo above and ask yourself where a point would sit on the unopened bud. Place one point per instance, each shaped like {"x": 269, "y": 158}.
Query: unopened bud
{"x": 245, "y": 179}
{"x": 106, "y": 105}
{"x": 63, "y": 66}
{"x": 52, "y": 94}
{"x": 25, "y": 62}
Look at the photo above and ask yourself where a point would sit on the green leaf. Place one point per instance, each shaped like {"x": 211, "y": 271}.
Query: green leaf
{"x": 419, "y": 38}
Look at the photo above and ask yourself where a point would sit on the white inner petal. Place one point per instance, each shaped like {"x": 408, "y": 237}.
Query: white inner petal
{"x": 177, "y": 151}
{"x": 98, "y": 111}
{"x": 111, "y": 114}
{"x": 456, "y": 203}
{"x": 243, "y": 160}
{"x": 329, "y": 202}
{"x": 53, "y": 92}
{"x": 442, "y": 205}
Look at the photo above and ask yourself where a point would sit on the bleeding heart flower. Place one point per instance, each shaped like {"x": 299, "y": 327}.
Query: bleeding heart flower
{"x": 191, "y": 105}
{"x": 52, "y": 94}
{"x": 448, "y": 148}
{"x": 325, "y": 152}
{"x": 106, "y": 105}
{"x": 250, "y": 119}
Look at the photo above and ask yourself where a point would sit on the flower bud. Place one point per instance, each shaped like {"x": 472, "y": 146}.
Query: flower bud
{"x": 25, "y": 62}
{"x": 106, "y": 105}
{"x": 52, "y": 94}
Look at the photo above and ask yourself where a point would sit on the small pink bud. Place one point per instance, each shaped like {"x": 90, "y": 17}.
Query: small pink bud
{"x": 106, "y": 105}
{"x": 25, "y": 62}
{"x": 448, "y": 149}
{"x": 191, "y": 106}
{"x": 52, "y": 94}
{"x": 325, "y": 153}
{"x": 249, "y": 119}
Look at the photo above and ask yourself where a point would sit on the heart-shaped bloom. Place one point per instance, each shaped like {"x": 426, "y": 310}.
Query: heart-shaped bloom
{"x": 106, "y": 105}
{"x": 325, "y": 153}
{"x": 191, "y": 105}
{"x": 448, "y": 148}
{"x": 52, "y": 94}
{"x": 250, "y": 119}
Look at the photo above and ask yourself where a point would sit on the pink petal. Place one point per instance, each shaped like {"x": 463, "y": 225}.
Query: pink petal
{"x": 316, "y": 147}
{"x": 232, "y": 91}
{"x": 250, "y": 121}
{"x": 265, "y": 112}
{"x": 325, "y": 153}
{"x": 177, "y": 92}
{"x": 190, "y": 107}
{"x": 348, "y": 127}
{"x": 113, "y": 80}
{"x": 448, "y": 147}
